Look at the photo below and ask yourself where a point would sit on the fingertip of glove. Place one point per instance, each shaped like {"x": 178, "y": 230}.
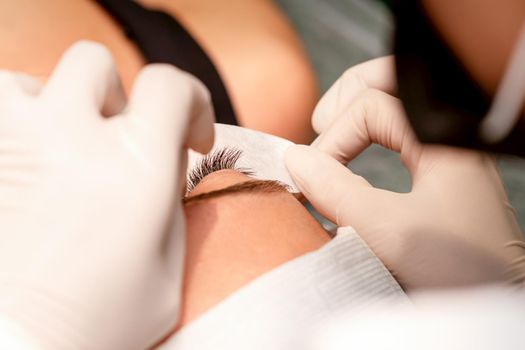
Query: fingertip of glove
{"x": 84, "y": 74}
{"x": 202, "y": 133}
{"x": 160, "y": 76}
{"x": 302, "y": 163}
{"x": 325, "y": 111}
{"x": 88, "y": 51}
{"x": 294, "y": 154}
{"x": 12, "y": 81}
{"x": 318, "y": 122}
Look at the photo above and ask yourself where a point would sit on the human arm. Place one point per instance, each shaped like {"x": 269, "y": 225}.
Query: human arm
{"x": 452, "y": 228}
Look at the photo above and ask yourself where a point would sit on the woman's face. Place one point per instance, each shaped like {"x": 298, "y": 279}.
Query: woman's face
{"x": 237, "y": 234}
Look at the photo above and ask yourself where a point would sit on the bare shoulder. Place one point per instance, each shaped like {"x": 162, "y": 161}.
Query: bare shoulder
{"x": 35, "y": 33}
{"x": 260, "y": 58}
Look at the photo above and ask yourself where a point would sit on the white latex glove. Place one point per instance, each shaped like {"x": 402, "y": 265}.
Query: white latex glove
{"x": 92, "y": 229}
{"x": 450, "y": 229}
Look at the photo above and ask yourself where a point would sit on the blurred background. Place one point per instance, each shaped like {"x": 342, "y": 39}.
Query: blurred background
{"x": 338, "y": 34}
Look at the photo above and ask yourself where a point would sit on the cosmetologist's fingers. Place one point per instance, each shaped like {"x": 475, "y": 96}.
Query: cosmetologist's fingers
{"x": 373, "y": 117}
{"x": 325, "y": 182}
{"x": 86, "y": 78}
{"x": 16, "y": 82}
{"x": 377, "y": 74}
{"x": 175, "y": 104}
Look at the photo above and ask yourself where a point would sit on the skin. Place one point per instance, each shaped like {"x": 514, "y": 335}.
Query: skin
{"x": 251, "y": 60}
{"x": 482, "y": 33}
{"x": 234, "y": 238}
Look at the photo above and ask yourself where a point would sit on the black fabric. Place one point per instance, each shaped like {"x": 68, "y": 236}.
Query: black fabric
{"x": 162, "y": 39}
{"x": 443, "y": 103}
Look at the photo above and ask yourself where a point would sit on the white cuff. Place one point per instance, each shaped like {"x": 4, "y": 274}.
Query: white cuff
{"x": 283, "y": 307}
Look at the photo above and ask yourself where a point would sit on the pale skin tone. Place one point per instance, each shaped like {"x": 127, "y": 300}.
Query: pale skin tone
{"x": 259, "y": 56}
{"x": 234, "y": 238}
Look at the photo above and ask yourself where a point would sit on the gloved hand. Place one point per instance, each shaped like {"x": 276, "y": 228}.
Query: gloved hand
{"x": 92, "y": 229}
{"x": 452, "y": 228}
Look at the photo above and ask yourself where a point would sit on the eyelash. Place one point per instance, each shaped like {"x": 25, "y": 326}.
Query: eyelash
{"x": 220, "y": 159}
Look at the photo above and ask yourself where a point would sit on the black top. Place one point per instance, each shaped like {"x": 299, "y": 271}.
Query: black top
{"x": 162, "y": 39}
{"x": 444, "y": 103}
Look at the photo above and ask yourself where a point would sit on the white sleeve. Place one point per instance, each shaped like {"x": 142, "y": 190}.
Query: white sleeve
{"x": 481, "y": 319}
{"x": 281, "y": 309}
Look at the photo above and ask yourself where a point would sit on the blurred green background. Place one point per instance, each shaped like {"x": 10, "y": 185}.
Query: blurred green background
{"x": 338, "y": 34}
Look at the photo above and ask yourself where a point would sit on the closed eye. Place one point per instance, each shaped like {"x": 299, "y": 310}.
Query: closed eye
{"x": 220, "y": 159}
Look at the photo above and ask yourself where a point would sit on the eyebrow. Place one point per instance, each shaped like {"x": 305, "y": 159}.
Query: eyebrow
{"x": 250, "y": 186}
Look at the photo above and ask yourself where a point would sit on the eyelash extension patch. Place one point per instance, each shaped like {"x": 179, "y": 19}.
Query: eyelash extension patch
{"x": 252, "y": 152}
{"x": 220, "y": 159}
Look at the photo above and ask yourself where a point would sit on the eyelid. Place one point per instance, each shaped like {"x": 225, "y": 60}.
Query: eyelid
{"x": 220, "y": 159}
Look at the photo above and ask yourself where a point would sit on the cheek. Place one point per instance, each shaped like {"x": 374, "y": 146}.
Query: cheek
{"x": 233, "y": 240}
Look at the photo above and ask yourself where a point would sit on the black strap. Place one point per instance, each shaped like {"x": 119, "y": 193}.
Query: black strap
{"x": 444, "y": 103}
{"x": 162, "y": 39}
